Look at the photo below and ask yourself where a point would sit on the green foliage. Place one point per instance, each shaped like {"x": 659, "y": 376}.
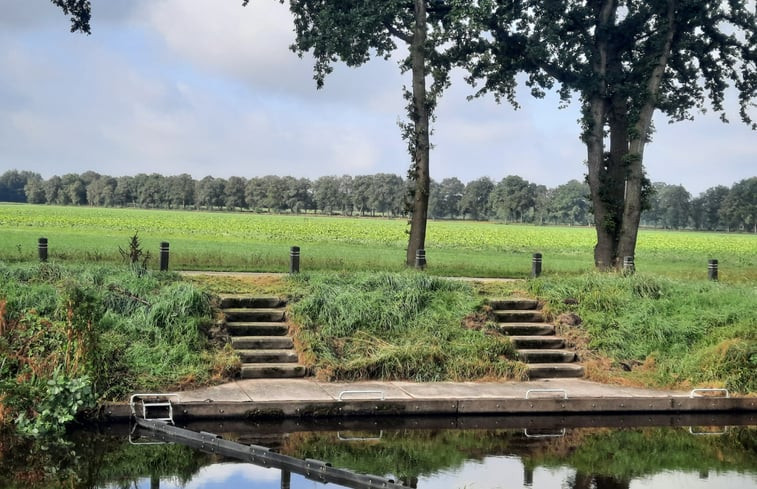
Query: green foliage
{"x": 135, "y": 256}
{"x": 73, "y": 335}
{"x": 690, "y": 332}
{"x": 395, "y": 326}
{"x": 90, "y": 459}
{"x": 404, "y": 454}
{"x": 642, "y": 452}
{"x": 62, "y": 399}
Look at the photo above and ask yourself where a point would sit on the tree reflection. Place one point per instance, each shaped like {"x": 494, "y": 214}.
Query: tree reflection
{"x": 590, "y": 481}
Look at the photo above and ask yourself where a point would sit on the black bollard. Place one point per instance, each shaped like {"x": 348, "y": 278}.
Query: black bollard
{"x": 420, "y": 258}
{"x": 536, "y": 265}
{"x": 528, "y": 476}
{"x": 164, "y": 256}
{"x": 712, "y": 269}
{"x": 294, "y": 259}
{"x": 42, "y": 248}
{"x": 628, "y": 265}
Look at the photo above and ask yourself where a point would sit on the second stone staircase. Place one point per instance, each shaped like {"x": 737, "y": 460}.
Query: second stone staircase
{"x": 535, "y": 339}
{"x": 260, "y": 336}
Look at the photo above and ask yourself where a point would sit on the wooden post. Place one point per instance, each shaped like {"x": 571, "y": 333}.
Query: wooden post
{"x": 712, "y": 269}
{"x": 536, "y": 265}
{"x": 42, "y": 249}
{"x": 420, "y": 259}
{"x": 628, "y": 265}
{"x": 294, "y": 259}
{"x": 164, "y": 256}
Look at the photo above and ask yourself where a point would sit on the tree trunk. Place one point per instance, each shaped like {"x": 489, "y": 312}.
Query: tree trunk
{"x": 595, "y": 114}
{"x": 633, "y": 201}
{"x": 604, "y": 250}
{"x": 420, "y": 121}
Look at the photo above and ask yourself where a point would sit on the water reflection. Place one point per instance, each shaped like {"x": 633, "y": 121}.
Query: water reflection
{"x": 491, "y": 473}
{"x": 484, "y": 457}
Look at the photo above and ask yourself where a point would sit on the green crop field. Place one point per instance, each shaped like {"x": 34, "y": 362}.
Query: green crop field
{"x": 254, "y": 242}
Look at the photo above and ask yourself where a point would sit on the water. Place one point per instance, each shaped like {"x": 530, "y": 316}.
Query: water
{"x": 438, "y": 453}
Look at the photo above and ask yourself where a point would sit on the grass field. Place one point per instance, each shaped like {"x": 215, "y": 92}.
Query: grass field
{"x": 253, "y": 242}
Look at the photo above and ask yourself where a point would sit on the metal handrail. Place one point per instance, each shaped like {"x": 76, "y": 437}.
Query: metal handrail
{"x": 146, "y": 405}
{"x": 693, "y": 391}
{"x": 359, "y": 438}
{"x": 709, "y": 433}
{"x": 545, "y": 435}
{"x": 563, "y": 391}
{"x": 380, "y": 393}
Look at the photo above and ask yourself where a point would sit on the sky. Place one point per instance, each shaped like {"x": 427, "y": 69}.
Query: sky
{"x": 207, "y": 87}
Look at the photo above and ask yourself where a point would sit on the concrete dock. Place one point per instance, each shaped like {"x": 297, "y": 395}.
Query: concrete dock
{"x": 310, "y": 398}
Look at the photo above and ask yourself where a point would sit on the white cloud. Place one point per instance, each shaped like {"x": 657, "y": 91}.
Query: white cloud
{"x": 210, "y": 87}
{"x": 222, "y": 474}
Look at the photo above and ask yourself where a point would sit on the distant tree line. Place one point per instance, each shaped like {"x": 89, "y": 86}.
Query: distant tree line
{"x": 512, "y": 199}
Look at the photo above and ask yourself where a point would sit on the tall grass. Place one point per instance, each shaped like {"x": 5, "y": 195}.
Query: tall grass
{"x": 674, "y": 332}
{"x": 395, "y": 326}
{"x": 102, "y": 330}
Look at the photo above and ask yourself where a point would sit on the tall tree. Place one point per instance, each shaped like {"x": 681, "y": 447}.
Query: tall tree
{"x": 626, "y": 59}
{"x": 387, "y": 194}
{"x": 675, "y": 204}
{"x": 475, "y": 199}
{"x": 712, "y": 201}
{"x": 569, "y": 203}
{"x": 234, "y": 193}
{"x": 328, "y": 194}
{"x": 297, "y": 195}
{"x": 512, "y": 198}
{"x": 361, "y": 192}
{"x": 353, "y": 32}
{"x": 739, "y": 209}
{"x": 13, "y": 183}
{"x": 180, "y": 190}
{"x": 35, "y": 190}
{"x": 451, "y": 192}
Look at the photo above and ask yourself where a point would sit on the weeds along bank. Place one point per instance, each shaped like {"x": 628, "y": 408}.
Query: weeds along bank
{"x": 407, "y": 326}
{"x": 71, "y": 336}
{"x": 656, "y": 331}
{"x": 256, "y": 242}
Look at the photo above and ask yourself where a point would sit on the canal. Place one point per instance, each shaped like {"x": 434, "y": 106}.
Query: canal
{"x": 662, "y": 451}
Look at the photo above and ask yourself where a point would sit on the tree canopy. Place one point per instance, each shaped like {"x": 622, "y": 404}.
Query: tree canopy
{"x": 625, "y": 59}
{"x": 80, "y": 12}
{"x": 355, "y": 31}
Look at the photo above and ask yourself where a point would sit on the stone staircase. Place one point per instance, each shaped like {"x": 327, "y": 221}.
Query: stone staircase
{"x": 535, "y": 340}
{"x": 260, "y": 335}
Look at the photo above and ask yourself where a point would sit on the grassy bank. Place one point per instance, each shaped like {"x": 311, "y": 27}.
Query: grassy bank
{"x": 254, "y": 242}
{"x": 71, "y": 336}
{"x": 658, "y": 331}
{"x": 397, "y": 326}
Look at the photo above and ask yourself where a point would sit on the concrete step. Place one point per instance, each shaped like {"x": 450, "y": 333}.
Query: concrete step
{"x": 537, "y": 342}
{"x": 241, "y": 314}
{"x": 518, "y": 316}
{"x": 509, "y": 304}
{"x": 250, "y": 302}
{"x": 257, "y": 329}
{"x": 272, "y": 370}
{"x": 268, "y": 356}
{"x": 547, "y": 356}
{"x": 554, "y": 370}
{"x": 265, "y": 342}
{"x": 526, "y": 329}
